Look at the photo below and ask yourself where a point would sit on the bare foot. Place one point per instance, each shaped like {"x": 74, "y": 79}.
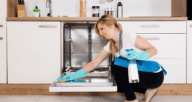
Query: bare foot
{"x": 149, "y": 94}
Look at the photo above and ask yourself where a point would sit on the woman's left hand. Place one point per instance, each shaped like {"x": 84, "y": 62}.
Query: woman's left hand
{"x": 132, "y": 54}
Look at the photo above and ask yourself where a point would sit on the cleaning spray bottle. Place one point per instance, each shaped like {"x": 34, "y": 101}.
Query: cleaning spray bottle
{"x": 133, "y": 74}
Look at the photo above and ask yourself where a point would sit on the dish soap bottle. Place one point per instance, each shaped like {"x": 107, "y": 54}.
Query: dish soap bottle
{"x": 133, "y": 72}
{"x": 119, "y": 9}
{"x": 36, "y": 12}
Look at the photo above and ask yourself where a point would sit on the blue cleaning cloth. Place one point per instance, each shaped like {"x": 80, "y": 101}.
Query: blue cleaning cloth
{"x": 145, "y": 66}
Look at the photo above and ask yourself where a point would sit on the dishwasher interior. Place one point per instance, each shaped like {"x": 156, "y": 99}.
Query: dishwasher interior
{"x": 81, "y": 45}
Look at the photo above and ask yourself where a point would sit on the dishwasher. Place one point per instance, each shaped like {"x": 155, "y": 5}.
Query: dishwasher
{"x": 80, "y": 48}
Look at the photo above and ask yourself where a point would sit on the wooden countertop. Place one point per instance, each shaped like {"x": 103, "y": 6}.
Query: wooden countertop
{"x": 94, "y": 19}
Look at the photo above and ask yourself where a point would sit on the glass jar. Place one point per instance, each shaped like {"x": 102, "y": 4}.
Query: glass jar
{"x": 95, "y": 11}
{"x": 107, "y": 11}
{"x": 83, "y": 8}
{"x": 113, "y": 14}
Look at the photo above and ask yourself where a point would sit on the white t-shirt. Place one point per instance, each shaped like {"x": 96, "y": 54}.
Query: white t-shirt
{"x": 128, "y": 43}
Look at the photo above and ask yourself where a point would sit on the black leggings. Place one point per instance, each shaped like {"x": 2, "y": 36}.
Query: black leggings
{"x": 146, "y": 80}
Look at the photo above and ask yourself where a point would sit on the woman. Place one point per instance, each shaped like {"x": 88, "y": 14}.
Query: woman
{"x": 108, "y": 27}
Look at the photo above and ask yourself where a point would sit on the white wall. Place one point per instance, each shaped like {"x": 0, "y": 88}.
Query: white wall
{"x": 160, "y": 8}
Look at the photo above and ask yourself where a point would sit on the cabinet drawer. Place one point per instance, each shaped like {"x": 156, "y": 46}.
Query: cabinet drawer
{"x": 176, "y": 70}
{"x": 154, "y": 26}
{"x": 168, "y": 45}
{"x": 161, "y": 27}
{"x": 3, "y": 72}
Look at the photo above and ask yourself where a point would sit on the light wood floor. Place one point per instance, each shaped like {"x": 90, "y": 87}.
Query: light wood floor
{"x": 43, "y": 89}
{"x": 61, "y": 98}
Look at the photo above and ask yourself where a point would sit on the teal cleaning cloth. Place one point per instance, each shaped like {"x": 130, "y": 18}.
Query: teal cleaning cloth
{"x": 83, "y": 81}
{"x": 145, "y": 66}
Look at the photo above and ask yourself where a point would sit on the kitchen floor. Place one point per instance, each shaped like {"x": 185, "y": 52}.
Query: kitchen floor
{"x": 58, "y": 98}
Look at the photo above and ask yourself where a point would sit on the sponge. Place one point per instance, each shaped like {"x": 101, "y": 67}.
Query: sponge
{"x": 76, "y": 81}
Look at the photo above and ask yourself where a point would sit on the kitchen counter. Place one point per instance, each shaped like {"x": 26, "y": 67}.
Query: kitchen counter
{"x": 91, "y": 19}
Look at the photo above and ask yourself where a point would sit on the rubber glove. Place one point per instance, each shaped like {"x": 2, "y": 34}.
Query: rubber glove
{"x": 132, "y": 54}
{"x": 79, "y": 74}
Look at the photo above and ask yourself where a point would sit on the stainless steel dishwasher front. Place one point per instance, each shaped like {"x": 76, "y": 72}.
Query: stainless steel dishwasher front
{"x": 78, "y": 50}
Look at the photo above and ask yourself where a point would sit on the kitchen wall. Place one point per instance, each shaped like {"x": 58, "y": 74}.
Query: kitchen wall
{"x": 160, "y": 8}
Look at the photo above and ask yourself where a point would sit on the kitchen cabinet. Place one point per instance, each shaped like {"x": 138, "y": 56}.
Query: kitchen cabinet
{"x": 3, "y": 15}
{"x": 189, "y": 52}
{"x": 33, "y": 52}
{"x": 169, "y": 37}
{"x": 3, "y": 71}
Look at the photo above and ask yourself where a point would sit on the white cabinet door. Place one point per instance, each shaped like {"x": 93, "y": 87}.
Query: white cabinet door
{"x": 33, "y": 52}
{"x": 3, "y": 71}
{"x": 189, "y": 52}
{"x": 176, "y": 70}
{"x": 3, "y": 15}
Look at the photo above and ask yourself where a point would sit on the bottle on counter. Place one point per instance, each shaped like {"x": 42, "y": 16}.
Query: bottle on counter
{"x": 119, "y": 9}
{"x": 95, "y": 11}
{"x": 113, "y": 14}
{"x": 36, "y": 12}
{"x": 83, "y": 8}
{"x": 110, "y": 10}
{"x": 106, "y": 11}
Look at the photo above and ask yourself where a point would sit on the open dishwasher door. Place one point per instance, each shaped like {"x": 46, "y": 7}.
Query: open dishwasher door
{"x": 80, "y": 46}
{"x": 88, "y": 84}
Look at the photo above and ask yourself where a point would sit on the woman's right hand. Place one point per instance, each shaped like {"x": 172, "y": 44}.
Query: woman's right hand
{"x": 79, "y": 74}
{"x": 63, "y": 78}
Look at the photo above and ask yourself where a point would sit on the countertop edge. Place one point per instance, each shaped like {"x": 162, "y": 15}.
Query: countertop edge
{"x": 94, "y": 19}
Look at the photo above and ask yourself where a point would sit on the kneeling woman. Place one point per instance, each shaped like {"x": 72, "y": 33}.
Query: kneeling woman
{"x": 108, "y": 27}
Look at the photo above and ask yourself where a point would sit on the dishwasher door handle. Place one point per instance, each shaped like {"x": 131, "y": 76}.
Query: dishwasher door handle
{"x": 47, "y": 26}
{"x": 152, "y": 38}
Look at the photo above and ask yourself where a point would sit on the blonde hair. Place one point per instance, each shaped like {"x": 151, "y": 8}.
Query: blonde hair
{"x": 109, "y": 20}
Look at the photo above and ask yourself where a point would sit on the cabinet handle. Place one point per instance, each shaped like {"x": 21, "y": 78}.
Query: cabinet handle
{"x": 1, "y": 38}
{"x": 47, "y": 26}
{"x": 1, "y": 26}
{"x": 69, "y": 40}
{"x": 155, "y": 38}
{"x": 190, "y": 25}
{"x": 150, "y": 26}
